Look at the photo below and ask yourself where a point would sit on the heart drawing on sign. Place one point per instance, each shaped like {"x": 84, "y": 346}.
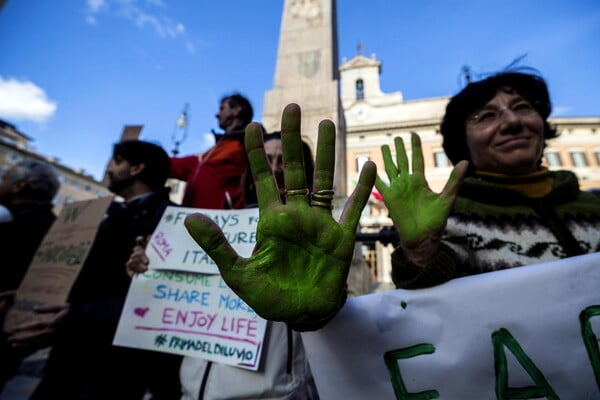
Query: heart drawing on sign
{"x": 141, "y": 311}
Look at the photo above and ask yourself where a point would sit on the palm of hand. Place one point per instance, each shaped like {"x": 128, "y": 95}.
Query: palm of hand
{"x": 414, "y": 208}
{"x": 299, "y": 265}
{"x": 417, "y": 212}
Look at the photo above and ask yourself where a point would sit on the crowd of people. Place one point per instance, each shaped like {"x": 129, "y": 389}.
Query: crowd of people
{"x": 501, "y": 208}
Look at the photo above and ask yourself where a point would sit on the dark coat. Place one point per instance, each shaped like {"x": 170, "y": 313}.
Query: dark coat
{"x": 83, "y": 363}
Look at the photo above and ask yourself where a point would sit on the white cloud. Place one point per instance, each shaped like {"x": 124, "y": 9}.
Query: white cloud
{"x": 95, "y": 5}
{"x": 162, "y": 25}
{"x": 24, "y": 101}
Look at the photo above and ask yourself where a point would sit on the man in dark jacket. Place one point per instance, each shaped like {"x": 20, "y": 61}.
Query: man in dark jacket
{"x": 83, "y": 363}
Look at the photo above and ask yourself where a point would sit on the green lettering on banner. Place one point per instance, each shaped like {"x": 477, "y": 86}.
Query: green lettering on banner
{"x": 503, "y": 338}
{"x": 391, "y": 357}
{"x": 590, "y": 340}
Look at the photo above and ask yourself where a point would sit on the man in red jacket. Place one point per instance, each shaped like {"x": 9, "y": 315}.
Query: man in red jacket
{"x": 213, "y": 177}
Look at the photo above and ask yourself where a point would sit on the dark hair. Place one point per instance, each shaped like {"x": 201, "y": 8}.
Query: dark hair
{"x": 475, "y": 95}
{"x": 155, "y": 159}
{"x": 237, "y": 99}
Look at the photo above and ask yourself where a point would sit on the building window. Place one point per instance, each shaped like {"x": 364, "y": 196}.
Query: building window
{"x": 15, "y": 158}
{"x": 440, "y": 158}
{"x": 360, "y": 89}
{"x": 70, "y": 199}
{"x": 578, "y": 158}
{"x": 553, "y": 159}
{"x": 361, "y": 159}
{"x": 76, "y": 184}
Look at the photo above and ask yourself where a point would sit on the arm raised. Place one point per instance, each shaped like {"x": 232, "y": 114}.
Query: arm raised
{"x": 298, "y": 269}
{"x": 418, "y": 213}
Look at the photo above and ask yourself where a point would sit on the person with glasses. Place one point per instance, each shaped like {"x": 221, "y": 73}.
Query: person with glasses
{"x": 501, "y": 208}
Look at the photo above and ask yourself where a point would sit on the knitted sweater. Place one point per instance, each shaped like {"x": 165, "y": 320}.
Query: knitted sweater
{"x": 493, "y": 227}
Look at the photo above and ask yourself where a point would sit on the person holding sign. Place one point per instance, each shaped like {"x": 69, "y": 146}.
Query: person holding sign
{"x": 283, "y": 371}
{"x": 83, "y": 362}
{"x": 500, "y": 207}
{"x": 26, "y": 192}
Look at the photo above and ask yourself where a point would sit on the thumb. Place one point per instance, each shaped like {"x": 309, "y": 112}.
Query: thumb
{"x": 210, "y": 237}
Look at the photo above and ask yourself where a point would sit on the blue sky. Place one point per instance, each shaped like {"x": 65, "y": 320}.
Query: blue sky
{"x": 74, "y": 72}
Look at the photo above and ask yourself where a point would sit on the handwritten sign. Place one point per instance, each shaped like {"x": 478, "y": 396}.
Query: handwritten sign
{"x": 58, "y": 260}
{"x": 172, "y": 247}
{"x": 190, "y": 314}
{"x": 525, "y": 333}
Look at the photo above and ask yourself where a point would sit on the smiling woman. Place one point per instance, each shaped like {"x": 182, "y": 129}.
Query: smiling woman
{"x": 501, "y": 208}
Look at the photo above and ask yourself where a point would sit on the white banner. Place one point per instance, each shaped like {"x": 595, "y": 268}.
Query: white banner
{"x": 524, "y": 333}
{"x": 172, "y": 247}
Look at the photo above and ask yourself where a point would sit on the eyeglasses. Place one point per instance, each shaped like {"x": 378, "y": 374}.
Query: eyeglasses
{"x": 491, "y": 116}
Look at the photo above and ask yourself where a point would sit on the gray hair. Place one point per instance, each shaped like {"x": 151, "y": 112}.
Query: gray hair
{"x": 41, "y": 179}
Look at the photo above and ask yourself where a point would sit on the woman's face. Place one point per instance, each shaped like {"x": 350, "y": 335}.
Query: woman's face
{"x": 506, "y": 135}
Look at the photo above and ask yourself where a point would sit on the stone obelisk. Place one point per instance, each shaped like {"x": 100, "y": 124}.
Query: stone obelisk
{"x": 306, "y": 73}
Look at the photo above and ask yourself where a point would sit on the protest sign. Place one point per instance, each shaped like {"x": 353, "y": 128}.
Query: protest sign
{"x": 58, "y": 260}
{"x": 190, "y": 314}
{"x": 528, "y": 332}
{"x": 172, "y": 247}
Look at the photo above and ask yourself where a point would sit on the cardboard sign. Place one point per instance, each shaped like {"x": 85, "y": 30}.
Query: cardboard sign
{"x": 58, "y": 260}
{"x": 528, "y": 332}
{"x": 172, "y": 247}
{"x": 190, "y": 314}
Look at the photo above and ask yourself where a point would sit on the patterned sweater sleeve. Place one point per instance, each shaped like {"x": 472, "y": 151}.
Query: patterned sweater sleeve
{"x": 442, "y": 267}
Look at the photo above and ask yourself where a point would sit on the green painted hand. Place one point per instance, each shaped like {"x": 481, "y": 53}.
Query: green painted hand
{"x": 298, "y": 269}
{"x": 419, "y": 214}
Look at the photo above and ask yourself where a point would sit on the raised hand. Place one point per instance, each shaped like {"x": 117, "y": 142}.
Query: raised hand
{"x": 298, "y": 269}
{"x": 418, "y": 213}
{"x": 40, "y": 332}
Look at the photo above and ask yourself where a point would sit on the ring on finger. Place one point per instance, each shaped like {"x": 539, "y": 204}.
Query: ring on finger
{"x": 322, "y": 198}
{"x": 297, "y": 192}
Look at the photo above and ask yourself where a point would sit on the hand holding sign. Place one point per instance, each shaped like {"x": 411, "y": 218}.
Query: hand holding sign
{"x": 300, "y": 263}
{"x": 419, "y": 214}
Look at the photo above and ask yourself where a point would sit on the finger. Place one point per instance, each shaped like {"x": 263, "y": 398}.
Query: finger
{"x": 325, "y": 161}
{"x": 51, "y": 308}
{"x": 210, "y": 237}
{"x": 417, "y": 154}
{"x": 322, "y": 195}
{"x": 293, "y": 160}
{"x": 401, "y": 158}
{"x": 359, "y": 197}
{"x": 140, "y": 241}
{"x": 381, "y": 186}
{"x": 457, "y": 176}
{"x": 266, "y": 187}
{"x": 7, "y": 294}
{"x": 390, "y": 168}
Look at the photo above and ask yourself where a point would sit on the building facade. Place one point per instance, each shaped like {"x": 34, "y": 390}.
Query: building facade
{"x": 75, "y": 184}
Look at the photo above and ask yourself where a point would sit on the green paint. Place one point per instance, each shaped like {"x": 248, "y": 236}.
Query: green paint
{"x": 503, "y": 338}
{"x": 403, "y": 304}
{"x": 391, "y": 357}
{"x": 590, "y": 340}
